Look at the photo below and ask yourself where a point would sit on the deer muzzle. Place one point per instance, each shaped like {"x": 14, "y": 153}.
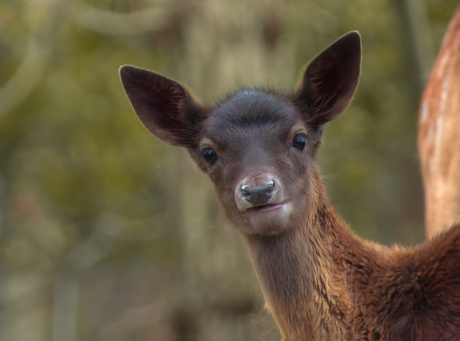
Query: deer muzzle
{"x": 257, "y": 191}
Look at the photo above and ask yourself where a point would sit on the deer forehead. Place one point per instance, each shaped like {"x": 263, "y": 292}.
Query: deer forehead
{"x": 251, "y": 118}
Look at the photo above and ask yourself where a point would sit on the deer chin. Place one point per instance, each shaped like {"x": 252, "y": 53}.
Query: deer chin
{"x": 268, "y": 219}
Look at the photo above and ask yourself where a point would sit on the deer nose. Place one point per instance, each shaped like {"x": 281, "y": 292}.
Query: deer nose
{"x": 258, "y": 189}
{"x": 258, "y": 195}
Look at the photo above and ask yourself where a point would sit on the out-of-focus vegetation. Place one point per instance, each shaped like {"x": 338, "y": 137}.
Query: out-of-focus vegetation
{"x": 108, "y": 234}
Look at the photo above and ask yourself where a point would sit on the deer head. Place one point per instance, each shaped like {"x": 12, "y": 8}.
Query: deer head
{"x": 257, "y": 146}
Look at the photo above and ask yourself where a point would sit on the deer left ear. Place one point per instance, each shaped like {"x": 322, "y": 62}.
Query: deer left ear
{"x": 166, "y": 109}
{"x": 330, "y": 81}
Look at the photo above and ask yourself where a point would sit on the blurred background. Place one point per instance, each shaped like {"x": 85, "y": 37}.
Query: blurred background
{"x": 108, "y": 234}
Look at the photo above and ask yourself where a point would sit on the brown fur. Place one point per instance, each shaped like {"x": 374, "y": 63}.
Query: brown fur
{"x": 438, "y": 134}
{"x": 351, "y": 289}
{"x": 320, "y": 281}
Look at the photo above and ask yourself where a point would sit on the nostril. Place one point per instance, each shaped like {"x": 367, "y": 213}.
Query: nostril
{"x": 245, "y": 191}
{"x": 267, "y": 188}
{"x": 270, "y": 186}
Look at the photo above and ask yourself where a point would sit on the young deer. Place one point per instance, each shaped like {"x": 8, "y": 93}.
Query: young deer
{"x": 320, "y": 281}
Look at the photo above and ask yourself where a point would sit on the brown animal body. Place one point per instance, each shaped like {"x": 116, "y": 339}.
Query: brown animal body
{"x": 320, "y": 281}
{"x": 439, "y": 133}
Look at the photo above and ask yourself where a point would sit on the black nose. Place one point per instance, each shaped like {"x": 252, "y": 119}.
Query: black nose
{"x": 258, "y": 196}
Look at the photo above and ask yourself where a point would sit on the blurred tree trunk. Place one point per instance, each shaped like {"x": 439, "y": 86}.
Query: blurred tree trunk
{"x": 416, "y": 45}
{"x": 25, "y": 307}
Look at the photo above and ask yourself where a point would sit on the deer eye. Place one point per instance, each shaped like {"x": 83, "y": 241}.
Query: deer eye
{"x": 299, "y": 141}
{"x": 209, "y": 155}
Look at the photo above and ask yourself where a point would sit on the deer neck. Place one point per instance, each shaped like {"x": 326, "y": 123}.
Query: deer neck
{"x": 301, "y": 273}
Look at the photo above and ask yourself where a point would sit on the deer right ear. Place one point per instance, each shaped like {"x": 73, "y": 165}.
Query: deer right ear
{"x": 330, "y": 81}
{"x": 165, "y": 108}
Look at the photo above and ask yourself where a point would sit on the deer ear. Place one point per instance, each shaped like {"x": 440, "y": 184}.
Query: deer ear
{"x": 330, "y": 81}
{"x": 165, "y": 108}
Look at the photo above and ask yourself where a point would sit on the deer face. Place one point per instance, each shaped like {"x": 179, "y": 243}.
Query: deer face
{"x": 258, "y": 151}
{"x": 258, "y": 147}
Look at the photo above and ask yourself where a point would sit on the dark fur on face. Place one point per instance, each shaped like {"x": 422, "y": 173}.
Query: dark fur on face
{"x": 253, "y": 132}
{"x": 320, "y": 281}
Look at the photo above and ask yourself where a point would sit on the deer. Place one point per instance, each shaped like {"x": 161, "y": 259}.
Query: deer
{"x": 319, "y": 279}
{"x": 438, "y": 124}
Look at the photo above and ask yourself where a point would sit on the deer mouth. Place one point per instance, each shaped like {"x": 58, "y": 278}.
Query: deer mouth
{"x": 265, "y": 208}
{"x": 268, "y": 219}
{"x": 270, "y": 210}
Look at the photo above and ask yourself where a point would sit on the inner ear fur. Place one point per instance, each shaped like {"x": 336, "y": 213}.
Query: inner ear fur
{"x": 165, "y": 108}
{"x": 330, "y": 81}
